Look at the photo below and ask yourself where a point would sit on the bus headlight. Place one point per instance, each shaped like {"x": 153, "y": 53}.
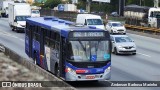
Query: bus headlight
{"x": 70, "y": 70}
{"x": 108, "y": 69}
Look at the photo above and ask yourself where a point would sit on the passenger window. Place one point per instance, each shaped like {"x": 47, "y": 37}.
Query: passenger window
{"x": 36, "y": 36}
{"x": 57, "y": 37}
{"x": 47, "y": 41}
{"x": 53, "y": 35}
{"x": 52, "y": 44}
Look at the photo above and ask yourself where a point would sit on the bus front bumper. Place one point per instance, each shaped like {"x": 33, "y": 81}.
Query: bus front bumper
{"x": 92, "y": 77}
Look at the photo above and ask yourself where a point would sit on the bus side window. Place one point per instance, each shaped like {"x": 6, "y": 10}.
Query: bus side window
{"x": 48, "y": 34}
{"x": 47, "y": 37}
{"x": 57, "y": 46}
{"x": 57, "y": 37}
{"x": 52, "y": 44}
{"x": 36, "y": 37}
{"x": 53, "y": 35}
{"x": 47, "y": 41}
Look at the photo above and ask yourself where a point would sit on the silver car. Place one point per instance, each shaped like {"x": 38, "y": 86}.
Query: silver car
{"x": 116, "y": 28}
{"x": 122, "y": 44}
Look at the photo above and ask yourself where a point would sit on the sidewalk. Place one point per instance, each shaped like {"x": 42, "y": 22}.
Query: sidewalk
{"x": 12, "y": 71}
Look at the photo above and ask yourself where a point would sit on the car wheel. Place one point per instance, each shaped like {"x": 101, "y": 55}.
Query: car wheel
{"x": 115, "y": 51}
{"x": 149, "y": 25}
{"x": 124, "y": 33}
{"x": 12, "y": 28}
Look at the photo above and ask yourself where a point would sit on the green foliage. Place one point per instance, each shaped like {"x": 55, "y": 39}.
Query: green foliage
{"x": 37, "y": 4}
{"x": 95, "y": 6}
{"x": 51, "y": 3}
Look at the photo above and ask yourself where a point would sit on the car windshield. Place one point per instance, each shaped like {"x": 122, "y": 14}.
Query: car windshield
{"x": 122, "y": 39}
{"x": 94, "y": 22}
{"x": 117, "y": 24}
{"x": 35, "y": 12}
{"x": 88, "y": 51}
{"x": 21, "y": 18}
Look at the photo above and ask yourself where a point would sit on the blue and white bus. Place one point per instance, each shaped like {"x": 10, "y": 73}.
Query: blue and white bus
{"x": 73, "y": 53}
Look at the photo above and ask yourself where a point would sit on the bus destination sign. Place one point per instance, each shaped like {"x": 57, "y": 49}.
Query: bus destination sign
{"x": 88, "y": 34}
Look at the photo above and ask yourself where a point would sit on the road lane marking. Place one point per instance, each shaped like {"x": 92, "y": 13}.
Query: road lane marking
{"x": 10, "y": 35}
{"x": 144, "y": 54}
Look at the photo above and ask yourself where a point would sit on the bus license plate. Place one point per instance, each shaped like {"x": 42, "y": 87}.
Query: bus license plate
{"x": 90, "y": 76}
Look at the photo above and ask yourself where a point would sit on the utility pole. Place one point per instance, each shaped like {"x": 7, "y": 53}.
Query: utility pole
{"x": 140, "y": 3}
{"x": 88, "y": 5}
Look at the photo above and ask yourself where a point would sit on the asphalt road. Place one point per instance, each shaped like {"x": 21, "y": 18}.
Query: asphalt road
{"x": 145, "y": 66}
{"x": 13, "y": 40}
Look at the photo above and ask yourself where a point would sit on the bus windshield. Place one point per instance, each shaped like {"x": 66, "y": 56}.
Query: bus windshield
{"x": 89, "y": 51}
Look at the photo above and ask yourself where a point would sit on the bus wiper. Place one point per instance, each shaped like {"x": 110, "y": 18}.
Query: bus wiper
{"x": 84, "y": 48}
{"x": 97, "y": 47}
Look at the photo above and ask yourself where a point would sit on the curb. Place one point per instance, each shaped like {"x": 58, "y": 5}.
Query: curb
{"x": 31, "y": 66}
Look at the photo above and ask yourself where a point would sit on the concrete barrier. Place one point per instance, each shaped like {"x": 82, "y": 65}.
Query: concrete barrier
{"x": 31, "y": 66}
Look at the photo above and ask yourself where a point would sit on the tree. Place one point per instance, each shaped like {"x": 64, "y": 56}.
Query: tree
{"x": 51, "y": 3}
{"x": 16, "y": 1}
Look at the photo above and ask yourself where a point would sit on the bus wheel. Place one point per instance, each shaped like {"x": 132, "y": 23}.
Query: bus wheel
{"x": 57, "y": 71}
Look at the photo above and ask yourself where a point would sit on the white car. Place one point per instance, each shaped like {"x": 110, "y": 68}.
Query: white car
{"x": 122, "y": 44}
{"x": 116, "y": 28}
{"x": 35, "y": 13}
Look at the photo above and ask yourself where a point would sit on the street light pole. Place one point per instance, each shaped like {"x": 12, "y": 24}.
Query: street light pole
{"x": 88, "y": 5}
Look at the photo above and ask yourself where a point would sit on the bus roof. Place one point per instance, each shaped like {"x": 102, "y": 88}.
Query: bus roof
{"x": 62, "y": 26}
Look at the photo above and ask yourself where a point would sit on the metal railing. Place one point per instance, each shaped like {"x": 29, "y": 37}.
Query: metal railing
{"x": 143, "y": 29}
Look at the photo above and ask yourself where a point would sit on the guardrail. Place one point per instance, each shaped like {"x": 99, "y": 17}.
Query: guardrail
{"x": 31, "y": 66}
{"x": 143, "y": 29}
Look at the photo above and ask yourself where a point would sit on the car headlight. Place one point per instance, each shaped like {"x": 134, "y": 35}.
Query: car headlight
{"x": 134, "y": 46}
{"x": 120, "y": 47}
{"x": 114, "y": 29}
